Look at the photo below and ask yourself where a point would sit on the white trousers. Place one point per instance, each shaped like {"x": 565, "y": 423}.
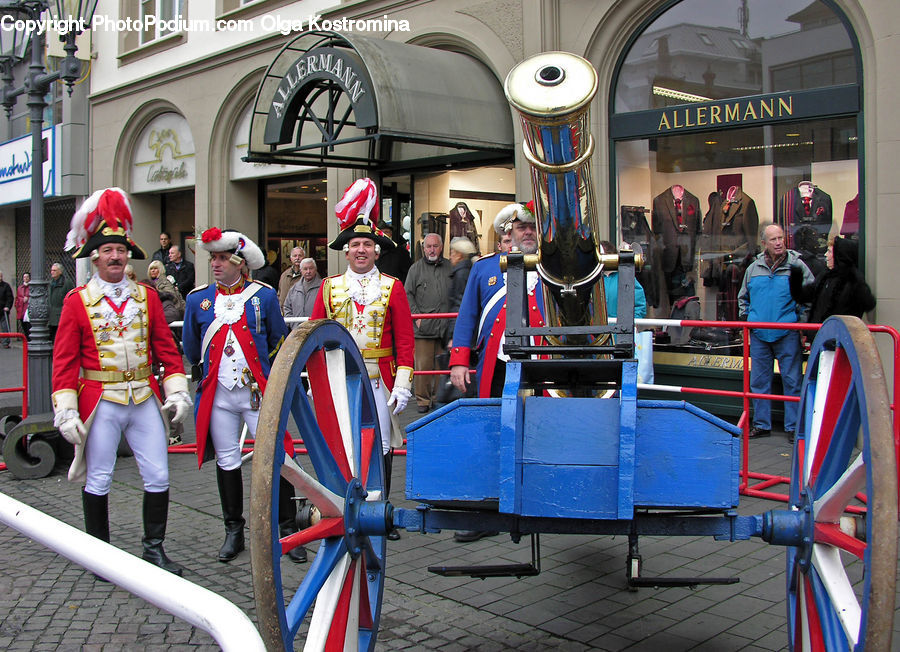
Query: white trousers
{"x": 145, "y": 432}
{"x": 230, "y": 406}
{"x": 384, "y": 412}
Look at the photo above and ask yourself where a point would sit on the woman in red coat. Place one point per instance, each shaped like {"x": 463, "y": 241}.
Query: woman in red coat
{"x": 23, "y": 294}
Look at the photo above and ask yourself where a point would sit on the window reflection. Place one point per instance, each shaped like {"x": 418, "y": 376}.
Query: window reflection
{"x": 717, "y": 50}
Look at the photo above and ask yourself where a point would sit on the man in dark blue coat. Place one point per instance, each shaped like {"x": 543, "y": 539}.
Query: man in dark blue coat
{"x": 481, "y": 322}
{"x": 233, "y": 328}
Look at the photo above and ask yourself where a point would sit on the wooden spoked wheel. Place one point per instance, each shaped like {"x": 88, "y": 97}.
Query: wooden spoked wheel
{"x": 342, "y": 588}
{"x": 841, "y": 575}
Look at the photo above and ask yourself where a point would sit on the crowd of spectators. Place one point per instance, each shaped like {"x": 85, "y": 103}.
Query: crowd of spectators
{"x": 780, "y": 285}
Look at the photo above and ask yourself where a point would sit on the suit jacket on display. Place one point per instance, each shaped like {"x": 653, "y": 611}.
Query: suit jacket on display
{"x": 794, "y": 213}
{"x": 732, "y": 225}
{"x": 678, "y": 240}
{"x": 635, "y": 228}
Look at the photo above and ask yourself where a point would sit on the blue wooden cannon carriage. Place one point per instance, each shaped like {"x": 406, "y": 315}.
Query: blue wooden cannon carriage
{"x": 569, "y": 448}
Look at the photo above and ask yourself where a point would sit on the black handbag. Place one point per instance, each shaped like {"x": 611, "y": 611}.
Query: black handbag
{"x": 710, "y": 336}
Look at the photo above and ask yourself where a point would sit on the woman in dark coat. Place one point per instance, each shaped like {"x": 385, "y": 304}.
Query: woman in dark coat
{"x": 842, "y": 290}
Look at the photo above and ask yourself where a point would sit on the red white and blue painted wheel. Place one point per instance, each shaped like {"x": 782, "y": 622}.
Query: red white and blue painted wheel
{"x": 841, "y": 575}
{"x": 339, "y": 598}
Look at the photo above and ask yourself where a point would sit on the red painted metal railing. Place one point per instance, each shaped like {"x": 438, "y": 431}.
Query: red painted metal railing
{"x": 766, "y": 480}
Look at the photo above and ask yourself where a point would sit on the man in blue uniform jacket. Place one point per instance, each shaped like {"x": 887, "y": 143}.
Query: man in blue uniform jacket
{"x": 482, "y": 313}
{"x": 233, "y": 328}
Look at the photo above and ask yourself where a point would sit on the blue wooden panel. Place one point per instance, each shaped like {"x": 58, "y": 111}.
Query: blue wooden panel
{"x": 453, "y": 453}
{"x": 571, "y": 431}
{"x": 627, "y": 437}
{"x": 567, "y": 491}
{"x": 684, "y": 457}
{"x": 511, "y": 425}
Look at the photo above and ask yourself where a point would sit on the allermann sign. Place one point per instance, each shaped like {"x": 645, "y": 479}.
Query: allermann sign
{"x": 745, "y": 112}
{"x": 343, "y": 67}
{"x": 737, "y": 112}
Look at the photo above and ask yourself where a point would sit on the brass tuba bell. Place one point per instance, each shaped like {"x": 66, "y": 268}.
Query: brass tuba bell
{"x": 552, "y": 93}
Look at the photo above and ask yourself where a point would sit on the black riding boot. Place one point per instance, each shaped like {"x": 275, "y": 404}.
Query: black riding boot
{"x": 96, "y": 515}
{"x": 96, "y": 518}
{"x": 393, "y": 535}
{"x": 287, "y": 519}
{"x": 231, "y": 493}
{"x": 156, "y": 515}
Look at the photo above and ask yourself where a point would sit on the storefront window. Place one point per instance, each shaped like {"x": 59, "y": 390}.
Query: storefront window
{"x": 296, "y": 213}
{"x": 729, "y": 116}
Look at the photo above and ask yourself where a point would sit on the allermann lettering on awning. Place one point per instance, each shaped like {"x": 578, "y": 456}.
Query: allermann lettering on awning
{"x": 342, "y": 67}
{"x": 342, "y": 100}
{"x": 331, "y": 64}
{"x": 738, "y": 112}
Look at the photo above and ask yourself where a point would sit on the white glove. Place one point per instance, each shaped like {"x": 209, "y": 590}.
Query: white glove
{"x": 181, "y": 402}
{"x": 400, "y": 396}
{"x": 70, "y": 426}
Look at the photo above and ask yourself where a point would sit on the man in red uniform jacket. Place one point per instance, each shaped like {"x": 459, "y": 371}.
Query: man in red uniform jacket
{"x": 374, "y": 308}
{"x": 112, "y": 331}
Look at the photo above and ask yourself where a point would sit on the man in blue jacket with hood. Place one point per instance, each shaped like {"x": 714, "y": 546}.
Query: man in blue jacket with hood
{"x": 765, "y": 296}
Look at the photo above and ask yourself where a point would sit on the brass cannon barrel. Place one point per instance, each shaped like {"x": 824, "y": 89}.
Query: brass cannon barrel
{"x": 552, "y": 93}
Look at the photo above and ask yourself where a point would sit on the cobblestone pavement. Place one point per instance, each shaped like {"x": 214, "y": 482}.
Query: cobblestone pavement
{"x": 578, "y": 602}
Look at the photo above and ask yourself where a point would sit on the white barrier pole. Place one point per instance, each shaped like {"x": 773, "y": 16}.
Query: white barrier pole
{"x": 222, "y": 619}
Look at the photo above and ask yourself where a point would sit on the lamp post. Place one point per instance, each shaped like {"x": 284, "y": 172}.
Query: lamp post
{"x": 37, "y": 83}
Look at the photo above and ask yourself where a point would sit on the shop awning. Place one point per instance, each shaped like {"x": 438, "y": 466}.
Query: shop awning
{"x": 337, "y": 100}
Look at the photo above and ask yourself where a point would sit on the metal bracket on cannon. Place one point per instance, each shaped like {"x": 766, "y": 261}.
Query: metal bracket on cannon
{"x": 584, "y": 364}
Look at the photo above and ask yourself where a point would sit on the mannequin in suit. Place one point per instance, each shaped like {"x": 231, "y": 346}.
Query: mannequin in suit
{"x": 805, "y": 205}
{"x": 676, "y": 223}
{"x": 731, "y": 224}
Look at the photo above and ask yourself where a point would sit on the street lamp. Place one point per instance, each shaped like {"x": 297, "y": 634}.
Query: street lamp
{"x": 77, "y": 15}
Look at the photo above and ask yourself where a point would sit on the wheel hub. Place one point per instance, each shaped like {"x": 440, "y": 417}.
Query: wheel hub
{"x": 364, "y": 518}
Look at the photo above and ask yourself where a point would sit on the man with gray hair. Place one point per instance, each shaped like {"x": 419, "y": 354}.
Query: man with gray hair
{"x": 181, "y": 270}
{"x": 302, "y": 295}
{"x": 291, "y": 275}
{"x": 765, "y": 296}
{"x": 428, "y": 290}
{"x": 57, "y": 289}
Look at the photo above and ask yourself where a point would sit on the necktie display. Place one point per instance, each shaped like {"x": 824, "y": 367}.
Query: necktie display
{"x": 679, "y": 216}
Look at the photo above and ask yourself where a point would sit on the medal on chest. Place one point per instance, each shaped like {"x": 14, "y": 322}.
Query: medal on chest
{"x": 359, "y": 319}
{"x": 229, "y": 346}
{"x": 112, "y": 323}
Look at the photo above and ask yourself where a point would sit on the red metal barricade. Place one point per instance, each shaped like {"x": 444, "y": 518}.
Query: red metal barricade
{"x": 23, "y": 388}
{"x": 767, "y": 481}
